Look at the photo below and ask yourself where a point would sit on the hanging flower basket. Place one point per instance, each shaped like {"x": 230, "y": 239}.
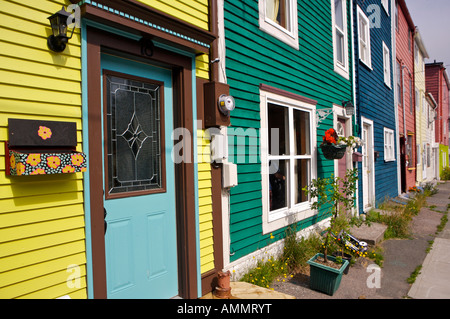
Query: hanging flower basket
{"x": 332, "y": 152}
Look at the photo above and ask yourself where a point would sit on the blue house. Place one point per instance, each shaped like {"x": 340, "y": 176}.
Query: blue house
{"x": 376, "y": 112}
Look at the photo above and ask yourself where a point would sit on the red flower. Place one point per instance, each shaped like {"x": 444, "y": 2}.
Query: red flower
{"x": 330, "y": 136}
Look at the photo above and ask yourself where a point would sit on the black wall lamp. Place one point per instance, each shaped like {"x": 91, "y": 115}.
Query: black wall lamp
{"x": 58, "y": 40}
{"x": 349, "y": 107}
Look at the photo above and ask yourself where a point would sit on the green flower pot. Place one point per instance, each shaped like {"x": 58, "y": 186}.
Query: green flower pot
{"x": 323, "y": 278}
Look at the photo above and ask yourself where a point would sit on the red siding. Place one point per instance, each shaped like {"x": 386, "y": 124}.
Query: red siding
{"x": 437, "y": 85}
{"x": 405, "y": 55}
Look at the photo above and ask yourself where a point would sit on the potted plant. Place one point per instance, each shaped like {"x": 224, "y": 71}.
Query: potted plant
{"x": 329, "y": 145}
{"x": 336, "y": 194}
{"x": 334, "y": 147}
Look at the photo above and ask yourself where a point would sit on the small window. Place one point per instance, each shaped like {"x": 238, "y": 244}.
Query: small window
{"x": 387, "y": 65}
{"x": 340, "y": 39}
{"x": 416, "y": 53}
{"x": 364, "y": 38}
{"x": 409, "y": 152}
{"x": 279, "y": 18}
{"x": 418, "y": 154}
{"x": 417, "y": 101}
{"x": 389, "y": 149}
{"x": 396, "y": 17}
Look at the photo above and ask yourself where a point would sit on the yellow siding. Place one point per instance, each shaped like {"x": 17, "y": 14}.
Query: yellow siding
{"x": 205, "y": 203}
{"x": 41, "y": 217}
{"x": 191, "y": 11}
{"x": 421, "y": 119}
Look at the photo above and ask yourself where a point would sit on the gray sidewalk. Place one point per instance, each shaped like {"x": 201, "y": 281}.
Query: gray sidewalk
{"x": 401, "y": 257}
{"x": 433, "y": 281}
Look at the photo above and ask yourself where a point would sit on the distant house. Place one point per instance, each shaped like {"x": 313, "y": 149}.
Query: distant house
{"x": 423, "y": 143}
{"x": 432, "y": 150}
{"x": 290, "y": 69}
{"x": 376, "y": 116}
{"x": 438, "y": 85}
{"x": 405, "y": 96}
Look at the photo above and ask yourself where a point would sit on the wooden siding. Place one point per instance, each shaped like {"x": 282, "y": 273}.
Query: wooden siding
{"x": 421, "y": 115}
{"x": 375, "y": 99}
{"x": 405, "y": 54}
{"x": 41, "y": 217}
{"x": 192, "y": 11}
{"x": 205, "y": 202}
{"x": 195, "y": 12}
{"x": 255, "y": 57}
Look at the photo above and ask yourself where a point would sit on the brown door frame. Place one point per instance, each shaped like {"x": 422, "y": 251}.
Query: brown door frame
{"x": 97, "y": 42}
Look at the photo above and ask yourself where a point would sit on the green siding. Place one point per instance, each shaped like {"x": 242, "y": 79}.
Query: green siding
{"x": 254, "y": 57}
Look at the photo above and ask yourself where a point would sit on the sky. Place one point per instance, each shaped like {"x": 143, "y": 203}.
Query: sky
{"x": 432, "y": 17}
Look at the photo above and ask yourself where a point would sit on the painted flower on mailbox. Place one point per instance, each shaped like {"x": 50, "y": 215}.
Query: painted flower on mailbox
{"x": 12, "y": 162}
{"x": 20, "y": 168}
{"x": 68, "y": 169}
{"x": 44, "y": 132}
{"x": 53, "y": 161}
{"x": 38, "y": 171}
{"x": 77, "y": 159}
{"x": 34, "y": 159}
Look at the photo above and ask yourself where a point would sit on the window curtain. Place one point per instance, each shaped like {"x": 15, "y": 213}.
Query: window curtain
{"x": 272, "y": 7}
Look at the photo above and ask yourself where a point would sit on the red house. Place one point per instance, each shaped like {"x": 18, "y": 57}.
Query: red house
{"x": 438, "y": 84}
{"x": 405, "y": 94}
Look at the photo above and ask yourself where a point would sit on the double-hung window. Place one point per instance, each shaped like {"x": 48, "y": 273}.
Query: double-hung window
{"x": 389, "y": 149}
{"x": 340, "y": 38}
{"x": 279, "y": 18}
{"x": 287, "y": 159}
{"x": 399, "y": 84}
{"x": 364, "y": 38}
{"x": 386, "y": 65}
{"x": 385, "y": 4}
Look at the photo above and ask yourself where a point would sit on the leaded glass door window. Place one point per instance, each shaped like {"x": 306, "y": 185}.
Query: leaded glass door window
{"x": 134, "y": 113}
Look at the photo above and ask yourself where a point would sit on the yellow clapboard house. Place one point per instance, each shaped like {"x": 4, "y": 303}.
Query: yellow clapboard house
{"x": 44, "y": 223}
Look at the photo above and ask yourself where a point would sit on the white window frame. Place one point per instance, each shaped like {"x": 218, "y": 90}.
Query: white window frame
{"x": 362, "y": 16}
{"x": 340, "y": 68}
{"x": 387, "y": 65}
{"x": 385, "y": 4}
{"x": 389, "y": 145}
{"x": 288, "y": 36}
{"x": 293, "y": 213}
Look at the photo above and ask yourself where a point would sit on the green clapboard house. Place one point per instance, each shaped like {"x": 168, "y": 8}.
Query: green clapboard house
{"x": 289, "y": 68}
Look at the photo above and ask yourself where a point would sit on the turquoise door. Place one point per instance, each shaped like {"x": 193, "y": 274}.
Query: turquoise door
{"x": 139, "y": 183}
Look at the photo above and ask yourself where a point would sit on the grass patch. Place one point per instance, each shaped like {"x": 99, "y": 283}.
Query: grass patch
{"x": 294, "y": 259}
{"x": 399, "y": 217}
{"x": 430, "y": 246}
{"x": 376, "y": 254}
{"x": 266, "y": 272}
{"x": 414, "y": 275}
{"x": 444, "y": 220}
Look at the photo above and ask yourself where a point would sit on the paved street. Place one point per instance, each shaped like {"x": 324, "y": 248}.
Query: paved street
{"x": 401, "y": 257}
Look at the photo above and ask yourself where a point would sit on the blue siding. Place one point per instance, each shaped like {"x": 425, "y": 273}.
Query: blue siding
{"x": 375, "y": 99}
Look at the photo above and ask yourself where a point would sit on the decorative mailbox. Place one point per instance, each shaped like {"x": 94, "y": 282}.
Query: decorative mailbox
{"x": 357, "y": 157}
{"x": 42, "y": 147}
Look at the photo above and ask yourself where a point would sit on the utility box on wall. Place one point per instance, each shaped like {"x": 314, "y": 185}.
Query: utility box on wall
{"x": 212, "y": 92}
